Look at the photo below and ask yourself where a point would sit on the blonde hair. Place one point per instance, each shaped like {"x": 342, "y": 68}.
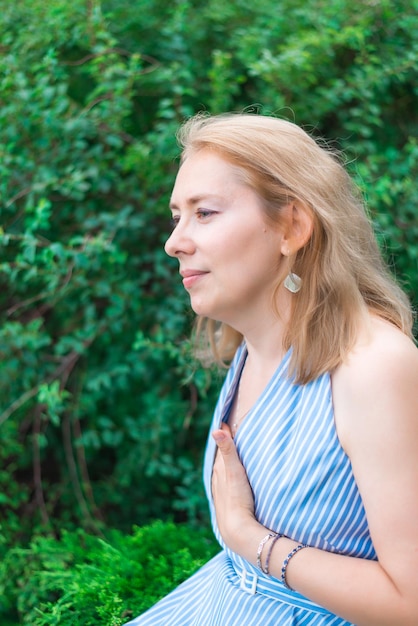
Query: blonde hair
{"x": 341, "y": 267}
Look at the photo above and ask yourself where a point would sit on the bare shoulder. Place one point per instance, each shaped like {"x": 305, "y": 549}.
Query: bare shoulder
{"x": 375, "y": 397}
{"x": 378, "y": 382}
{"x": 384, "y": 351}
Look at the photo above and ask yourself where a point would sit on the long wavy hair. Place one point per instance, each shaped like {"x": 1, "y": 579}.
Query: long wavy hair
{"x": 342, "y": 269}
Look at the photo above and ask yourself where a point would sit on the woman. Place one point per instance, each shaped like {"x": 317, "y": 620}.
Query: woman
{"x": 311, "y": 469}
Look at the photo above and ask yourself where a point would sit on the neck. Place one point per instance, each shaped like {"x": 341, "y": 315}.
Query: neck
{"x": 264, "y": 337}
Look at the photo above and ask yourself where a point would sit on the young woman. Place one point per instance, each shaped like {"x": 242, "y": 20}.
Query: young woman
{"x": 311, "y": 469}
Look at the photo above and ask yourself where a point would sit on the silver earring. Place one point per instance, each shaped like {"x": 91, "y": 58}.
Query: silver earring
{"x": 293, "y": 282}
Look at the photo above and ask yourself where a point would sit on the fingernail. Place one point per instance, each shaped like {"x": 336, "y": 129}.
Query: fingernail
{"x": 219, "y": 436}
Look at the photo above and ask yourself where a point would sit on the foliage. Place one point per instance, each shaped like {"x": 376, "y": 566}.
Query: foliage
{"x": 103, "y": 413}
{"x": 87, "y": 580}
{"x": 96, "y": 373}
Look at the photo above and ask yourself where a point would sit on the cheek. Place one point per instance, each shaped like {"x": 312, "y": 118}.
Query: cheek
{"x": 234, "y": 246}
{"x": 255, "y": 253}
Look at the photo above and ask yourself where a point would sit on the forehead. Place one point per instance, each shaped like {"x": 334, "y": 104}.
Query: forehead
{"x": 205, "y": 173}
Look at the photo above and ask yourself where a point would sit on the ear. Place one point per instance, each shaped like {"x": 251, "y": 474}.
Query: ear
{"x": 298, "y": 227}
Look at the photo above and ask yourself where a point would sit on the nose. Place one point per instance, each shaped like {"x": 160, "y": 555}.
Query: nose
{"x": 180, "y": 241}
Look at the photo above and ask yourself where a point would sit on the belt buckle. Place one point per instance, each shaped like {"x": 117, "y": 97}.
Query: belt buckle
{"x": 252, "y": 589}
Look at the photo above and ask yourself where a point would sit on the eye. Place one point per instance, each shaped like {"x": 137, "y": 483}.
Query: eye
{"x": 204, "y": 213}
{"x": 174, "y": 221}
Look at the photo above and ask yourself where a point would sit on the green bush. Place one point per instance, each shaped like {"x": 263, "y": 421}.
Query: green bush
{"x": 103, "y": 413}
{"x": 87, "y": 580}
{"x": 96, "y": 374}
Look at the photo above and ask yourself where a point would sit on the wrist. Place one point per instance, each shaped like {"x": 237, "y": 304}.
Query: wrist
{"x": 247, "y": 538}
{"x": 266, "y": 549}
{"x": 271, "y": 552}
{"x": 279, "y": 555}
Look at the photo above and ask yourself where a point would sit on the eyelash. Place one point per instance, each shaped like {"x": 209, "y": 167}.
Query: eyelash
{"x": 204, "y": 213}
{"x": 201, "y": 213}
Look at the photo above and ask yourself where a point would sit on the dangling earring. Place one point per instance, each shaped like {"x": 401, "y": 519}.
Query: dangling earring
{"x": 293, "y": 282}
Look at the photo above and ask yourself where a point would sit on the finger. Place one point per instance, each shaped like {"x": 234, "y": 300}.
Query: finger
{"x": 225, "y": 427}
{"x": 225, "y": 444}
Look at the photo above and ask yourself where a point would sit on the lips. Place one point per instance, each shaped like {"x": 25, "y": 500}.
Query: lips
{"x": 190, "y": 277}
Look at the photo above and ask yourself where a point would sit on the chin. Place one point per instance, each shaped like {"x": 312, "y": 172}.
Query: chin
{"x": 197, "y": 307}
{"x": 200, "y": 309}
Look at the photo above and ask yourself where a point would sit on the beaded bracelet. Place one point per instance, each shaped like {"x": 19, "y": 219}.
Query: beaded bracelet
{"x": 260, "y": 549}
{"x": 266, "y": 567}
{"x": 286, "y": 563}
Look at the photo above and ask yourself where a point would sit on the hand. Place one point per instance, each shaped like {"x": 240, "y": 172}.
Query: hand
{"x": 232, "y": 495}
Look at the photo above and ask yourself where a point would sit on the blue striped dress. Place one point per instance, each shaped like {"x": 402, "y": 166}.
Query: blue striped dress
{"x": 303, "y": 487}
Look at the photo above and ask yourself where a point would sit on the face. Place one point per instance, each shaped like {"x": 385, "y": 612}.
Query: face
{"x": 229, "y": 256}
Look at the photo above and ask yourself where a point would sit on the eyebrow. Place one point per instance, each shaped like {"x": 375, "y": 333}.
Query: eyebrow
{"x": 196, "y": 199}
